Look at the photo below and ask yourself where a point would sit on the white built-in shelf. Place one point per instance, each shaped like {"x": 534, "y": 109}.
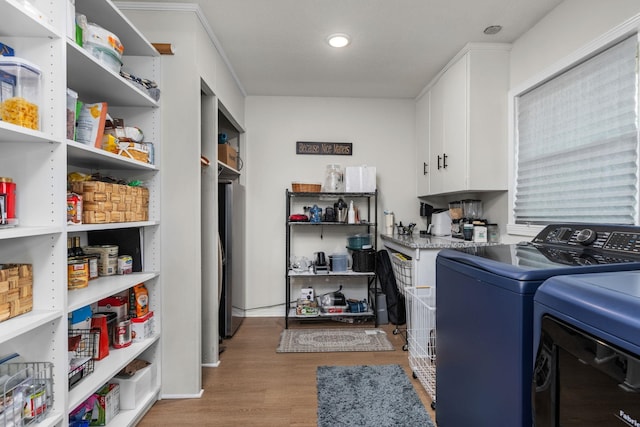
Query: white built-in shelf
{"x": 26, "y": 323}
{"x": 106, "y": 14}
{"x": 89, "y": 78}
{"x": 82, "y": 155}
{"x": 106, "y": 369}
{"x": 105, "y": 286}
{"x": 16, "y": 22}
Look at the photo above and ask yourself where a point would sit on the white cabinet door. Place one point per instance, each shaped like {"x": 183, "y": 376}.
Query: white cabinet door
{"x": 422, "y": 150}
{"x": 468, "y": 123}
{"x": 436, "y": 137}
{"x": 454, "y": 147}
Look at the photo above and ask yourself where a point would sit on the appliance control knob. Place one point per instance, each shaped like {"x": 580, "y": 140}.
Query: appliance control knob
{"x": 586, "y": 237}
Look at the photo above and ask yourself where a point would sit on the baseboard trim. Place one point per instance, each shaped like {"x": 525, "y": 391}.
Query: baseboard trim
{"x": 183, "y": 396}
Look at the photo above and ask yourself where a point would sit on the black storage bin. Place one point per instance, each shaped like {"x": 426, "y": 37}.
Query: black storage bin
{"x": 364, "y": 260}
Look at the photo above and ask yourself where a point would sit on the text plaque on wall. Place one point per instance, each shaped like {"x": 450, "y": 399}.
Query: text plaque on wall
{"x": 324, "y": 148}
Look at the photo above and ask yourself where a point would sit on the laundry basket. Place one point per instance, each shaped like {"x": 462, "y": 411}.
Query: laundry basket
{"x": 421, "y": 336}
{"x": 403, "y": 272}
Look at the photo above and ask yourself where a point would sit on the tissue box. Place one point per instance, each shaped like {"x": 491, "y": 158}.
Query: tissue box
{"x": 360, "y": 179}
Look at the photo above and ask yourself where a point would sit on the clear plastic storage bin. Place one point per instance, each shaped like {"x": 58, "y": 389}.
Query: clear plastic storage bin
{"x": 20, "y": 92}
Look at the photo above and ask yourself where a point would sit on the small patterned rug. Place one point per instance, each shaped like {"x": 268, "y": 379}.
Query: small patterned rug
{"x": 332, "y": 340}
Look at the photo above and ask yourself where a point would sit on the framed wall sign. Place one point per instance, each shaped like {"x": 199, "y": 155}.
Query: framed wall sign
{"x": 324, "y": 148}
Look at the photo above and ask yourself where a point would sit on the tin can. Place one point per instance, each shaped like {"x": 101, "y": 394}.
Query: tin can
{"x": 74, "y": 208}
{"x": 125, "y": 264}
{"x": 107, "y": 258}
{"x": 122, "y": 334}
{"x": 77, "y": 273}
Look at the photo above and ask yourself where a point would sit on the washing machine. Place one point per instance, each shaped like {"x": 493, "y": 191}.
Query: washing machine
{"x": 484, "y": 316}
{"x": 587, "y": 347}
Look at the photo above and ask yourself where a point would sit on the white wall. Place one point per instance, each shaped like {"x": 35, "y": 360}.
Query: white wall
{"x": 566, "y": 29}
{"x": 382, "y": 133}
{"x": 196, "y": 63}
{"x": 570, "y": 26}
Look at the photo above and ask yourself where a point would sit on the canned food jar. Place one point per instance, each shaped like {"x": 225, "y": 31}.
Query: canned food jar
{"x": 77, "y": 273}
{"x": 8, "y": 193}
{"x": 108, "y": 258}
{"x": 74, "y": 208}
{"x": 122, "y": 334}
{"x": 93, "y": 266}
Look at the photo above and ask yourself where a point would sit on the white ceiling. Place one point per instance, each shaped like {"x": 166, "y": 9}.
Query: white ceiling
{"x": 277, "y": 47}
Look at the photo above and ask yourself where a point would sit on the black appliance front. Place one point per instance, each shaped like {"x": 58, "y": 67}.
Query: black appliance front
{"x": 581, "y": 380}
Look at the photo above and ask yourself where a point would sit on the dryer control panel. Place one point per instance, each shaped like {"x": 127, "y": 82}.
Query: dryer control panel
{"x": 599, "y": 237}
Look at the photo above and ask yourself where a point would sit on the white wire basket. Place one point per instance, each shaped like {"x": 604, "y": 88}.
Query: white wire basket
{"x": 421, "y": 336}
{"x": 27, "y": 392}
{"x": 402, "y": 271}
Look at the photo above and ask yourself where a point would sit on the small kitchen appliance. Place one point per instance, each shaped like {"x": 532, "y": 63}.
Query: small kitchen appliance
{"x": 441, "y": 224}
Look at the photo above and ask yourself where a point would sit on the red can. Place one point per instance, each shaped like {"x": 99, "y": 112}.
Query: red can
{"x": 8, "y": 192}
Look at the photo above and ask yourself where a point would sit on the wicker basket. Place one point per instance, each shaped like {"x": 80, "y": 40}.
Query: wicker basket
{"x": 299, "y": 187}
{"x": 103, "y": 202}
{"x": 16, "y": 290}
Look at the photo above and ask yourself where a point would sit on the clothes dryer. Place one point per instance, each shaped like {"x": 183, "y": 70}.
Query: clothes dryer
{"x": 587, "y": 347}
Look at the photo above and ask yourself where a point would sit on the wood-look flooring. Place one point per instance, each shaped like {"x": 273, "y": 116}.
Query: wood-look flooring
{"x": 255, "y": 386}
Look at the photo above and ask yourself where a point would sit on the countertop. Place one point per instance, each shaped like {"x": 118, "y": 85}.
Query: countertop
{"x": 415, "y": 241}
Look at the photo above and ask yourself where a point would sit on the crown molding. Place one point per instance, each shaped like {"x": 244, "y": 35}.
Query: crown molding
{"x": 185, "y": 7}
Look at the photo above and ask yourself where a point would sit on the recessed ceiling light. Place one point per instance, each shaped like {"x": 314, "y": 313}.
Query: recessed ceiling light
{"x": 492, "y": 29}
{"x": 338, "y": 40}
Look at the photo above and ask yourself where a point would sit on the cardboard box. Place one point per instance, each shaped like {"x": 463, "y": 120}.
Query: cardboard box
{"x": 107, "y": 406}
{"x": 228, "y": 155}
{"x": 142, "y": 327}
{"x": 134, "y": 389}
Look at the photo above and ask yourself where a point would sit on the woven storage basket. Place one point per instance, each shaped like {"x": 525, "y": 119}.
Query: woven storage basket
{"x": 16, "y": 290}
{"x": 299, "y": 187}
{"x": 103, "y": 202}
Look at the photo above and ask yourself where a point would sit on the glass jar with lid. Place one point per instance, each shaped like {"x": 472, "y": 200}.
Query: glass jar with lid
{"x": 334, "y": 179}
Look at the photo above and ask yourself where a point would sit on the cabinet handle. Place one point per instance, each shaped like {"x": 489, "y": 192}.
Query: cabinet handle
{"x": 439, "y": 162}
{"x": 444, "y": 161}
{"x": 424, "y": 168}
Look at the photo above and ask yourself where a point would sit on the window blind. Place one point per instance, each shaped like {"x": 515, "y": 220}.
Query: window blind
{"x": 577, "y": 143}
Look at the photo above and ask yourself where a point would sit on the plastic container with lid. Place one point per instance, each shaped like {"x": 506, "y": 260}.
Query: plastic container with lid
{"x": 334, "y": 179}
{"x": 20, "y": 92}
{"x": 493, "y": 233}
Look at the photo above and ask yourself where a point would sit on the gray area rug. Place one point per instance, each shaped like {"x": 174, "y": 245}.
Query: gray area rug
{"x": 329, "y": 340}
{"x": 368, "y": 396}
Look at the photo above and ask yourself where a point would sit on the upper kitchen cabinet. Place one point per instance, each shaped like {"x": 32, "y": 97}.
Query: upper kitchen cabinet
{"x": 466, "y": 126}
{"x": 422, "y": 141}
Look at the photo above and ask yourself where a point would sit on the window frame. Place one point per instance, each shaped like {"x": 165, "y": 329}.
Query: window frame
{"x": 597, "y": 46}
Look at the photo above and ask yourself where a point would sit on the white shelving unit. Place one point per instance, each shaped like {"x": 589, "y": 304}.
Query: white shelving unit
{"x": 39, "y": 160}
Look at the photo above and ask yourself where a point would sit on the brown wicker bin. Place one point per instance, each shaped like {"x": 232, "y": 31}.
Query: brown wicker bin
{"x": 16, "y": 290}
{"x": 103, "y": 202}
